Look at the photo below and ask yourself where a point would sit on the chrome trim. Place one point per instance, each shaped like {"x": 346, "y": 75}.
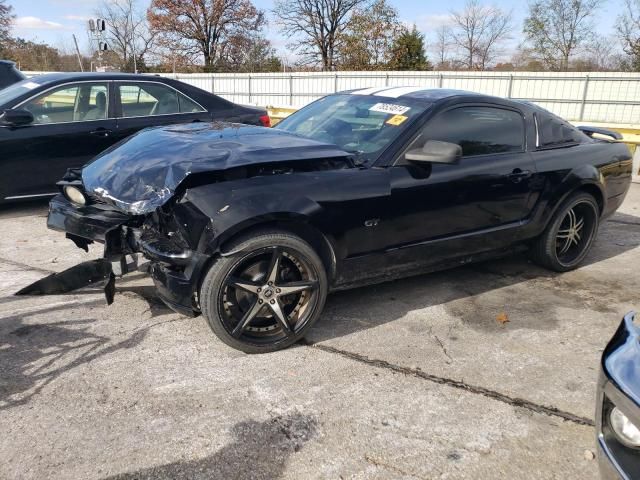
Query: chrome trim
{"x": 164, "y": 85}
{"x": 62, "y": 85}
{"x": 18, "y": 197}
{"x": 535, "y": 122}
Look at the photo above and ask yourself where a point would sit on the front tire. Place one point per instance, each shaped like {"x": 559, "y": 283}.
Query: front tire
{"x": 266, "y": 296}
{"x": 569, "y": 235}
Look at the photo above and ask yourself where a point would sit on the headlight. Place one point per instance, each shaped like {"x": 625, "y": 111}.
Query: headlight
{"x": 626, "y": 431}
{"x": 75, "y": 195}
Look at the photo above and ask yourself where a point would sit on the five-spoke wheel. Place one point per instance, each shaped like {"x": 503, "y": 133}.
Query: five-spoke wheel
{"x": 266, "y": 296}
{"x": 569, "y": 235}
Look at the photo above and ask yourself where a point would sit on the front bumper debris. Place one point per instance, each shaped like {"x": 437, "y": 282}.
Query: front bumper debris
{"x": 85, "y": 274}
{"x": 173, "y": 266}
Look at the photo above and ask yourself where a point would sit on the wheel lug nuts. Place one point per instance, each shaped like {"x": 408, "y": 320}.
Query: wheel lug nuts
{"x": 278, "y": 290}
{"x": 270, "y": 283}
{"x": 272, "y": 302}
{"x": 259, "y": 290}
{"x": 260, "y": 301}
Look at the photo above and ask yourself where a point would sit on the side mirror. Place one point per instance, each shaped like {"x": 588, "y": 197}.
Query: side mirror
{"x": 435, "y": 151}
{"x": 16, "y": 117}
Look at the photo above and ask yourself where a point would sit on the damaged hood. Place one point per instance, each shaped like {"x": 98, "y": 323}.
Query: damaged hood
{"x": 141, "y": 173}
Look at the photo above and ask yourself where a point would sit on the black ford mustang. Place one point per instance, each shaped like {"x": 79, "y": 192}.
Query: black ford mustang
{"x": 252, "y": 227}
{"x": 53, "y": 122}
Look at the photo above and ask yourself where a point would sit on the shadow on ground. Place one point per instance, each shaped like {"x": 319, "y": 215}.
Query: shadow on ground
{"x": 34, "y": 355}
{"x": 259, "y": 451}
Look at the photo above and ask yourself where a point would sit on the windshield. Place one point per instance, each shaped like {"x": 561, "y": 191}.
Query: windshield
{"x": 361, "y": 124}
{"x": 12, "y": 92}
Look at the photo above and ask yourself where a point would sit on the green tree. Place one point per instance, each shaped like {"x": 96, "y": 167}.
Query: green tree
{"x": 6, "y": 18}
{"x": 367, "y": 42}
{"x": 408, "y": 51}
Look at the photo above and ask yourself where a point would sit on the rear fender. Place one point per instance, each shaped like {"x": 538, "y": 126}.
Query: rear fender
{"x": 584, "y": 177}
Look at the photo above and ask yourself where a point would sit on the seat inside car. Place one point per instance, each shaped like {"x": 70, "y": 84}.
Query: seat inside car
{"x": 101, "y": 108}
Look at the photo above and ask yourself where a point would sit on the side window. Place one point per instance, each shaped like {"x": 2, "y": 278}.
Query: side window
{"x": 554, "y": 132}
{"x": 70, "y": 103}
{"x": 147, "y": 99}
{"x": 187, "y": 105}
{"x": 478, "y": 130}
{"x": 97, "y": 101}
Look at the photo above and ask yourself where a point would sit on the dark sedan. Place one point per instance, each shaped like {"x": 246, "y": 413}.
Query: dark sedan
{"x": 253, "y": 227}
{"x": 618, "y": 407}
{"x": 53, "y": 122}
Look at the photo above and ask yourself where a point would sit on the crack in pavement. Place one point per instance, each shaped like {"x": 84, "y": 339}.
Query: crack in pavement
{"x": 24, "y": 266}
{"x": 486, "y": 392}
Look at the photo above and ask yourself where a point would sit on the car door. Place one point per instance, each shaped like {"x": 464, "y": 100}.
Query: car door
{"x": 71, "y": 125}
{"x": 147, "y": 104}
{"x": 473, "y": 205}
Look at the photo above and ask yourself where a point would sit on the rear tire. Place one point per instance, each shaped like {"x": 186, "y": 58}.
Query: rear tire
{"x": 569, "y": 235}
{"x": 266, "y": 296}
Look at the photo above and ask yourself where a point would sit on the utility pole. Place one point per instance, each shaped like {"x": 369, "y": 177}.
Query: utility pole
{"x": 78, "y": 52}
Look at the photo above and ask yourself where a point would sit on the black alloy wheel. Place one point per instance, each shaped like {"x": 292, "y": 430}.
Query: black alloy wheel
{"x": 267, "y": 296}
{"x": 569, "y": 235}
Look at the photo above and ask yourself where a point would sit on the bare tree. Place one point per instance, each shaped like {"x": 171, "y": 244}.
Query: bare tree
{"x": 628, "y": 28}
{"x": 6, "y": 18}
{"x": 557, "y": 29}
{"x": 203, "y": 27}
{"x": 315, "y": 26}
{"x": 127, "y": 31}
{"x": 442, "y": 46}
{"x": 478, "y": 31}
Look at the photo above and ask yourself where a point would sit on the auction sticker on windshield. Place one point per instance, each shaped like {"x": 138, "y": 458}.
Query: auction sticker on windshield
{"x": 390, "y": 108}
{"x": 396, "y": 120}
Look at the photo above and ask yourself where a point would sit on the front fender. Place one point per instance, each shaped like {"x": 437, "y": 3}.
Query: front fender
{"x": 231, "y": 212}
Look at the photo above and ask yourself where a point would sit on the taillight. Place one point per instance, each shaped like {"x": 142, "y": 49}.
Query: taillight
{"x": 265, "y": 120}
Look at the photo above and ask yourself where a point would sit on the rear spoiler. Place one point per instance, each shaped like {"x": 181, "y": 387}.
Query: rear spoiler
{"x": 590, "y": 131}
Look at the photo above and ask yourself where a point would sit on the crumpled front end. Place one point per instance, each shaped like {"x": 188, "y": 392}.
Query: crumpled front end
{"x": 161, "y": 237}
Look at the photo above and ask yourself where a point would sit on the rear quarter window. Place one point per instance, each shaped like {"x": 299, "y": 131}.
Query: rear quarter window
{"x": 553, "y": 132}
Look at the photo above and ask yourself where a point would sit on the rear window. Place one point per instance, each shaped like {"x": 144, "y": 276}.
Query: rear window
{"x": 553, "y": 132}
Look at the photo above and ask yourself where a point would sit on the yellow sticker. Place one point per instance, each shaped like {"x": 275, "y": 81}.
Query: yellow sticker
{"x": 396, "y": 120}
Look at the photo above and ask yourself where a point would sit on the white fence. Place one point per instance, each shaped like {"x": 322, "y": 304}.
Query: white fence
{"x": 590, "y": 97}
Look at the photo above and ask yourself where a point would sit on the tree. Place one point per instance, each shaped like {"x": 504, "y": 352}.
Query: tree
{"x": 127, "y": 33}
{"x": 6, "y": 19}
{"x": 316, "y": 26}
{"x": 408, "y": 51}
{"x": 442, "y": 46}
{"x": 203, "y": 27}
{"x": 557, "y": 29}
{"x": 628, "y": 28}
{"x": 478, "y": 31}
{"x": 250, "y": 54}
{"x": 369, "y": 36}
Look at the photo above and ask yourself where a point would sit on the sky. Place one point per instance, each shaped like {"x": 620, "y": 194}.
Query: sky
{"x": 54, "y": 21}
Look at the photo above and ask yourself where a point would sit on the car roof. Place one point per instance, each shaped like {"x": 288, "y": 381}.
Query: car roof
{"x": 79, "y": 76}
{"x": 427, "y": 95}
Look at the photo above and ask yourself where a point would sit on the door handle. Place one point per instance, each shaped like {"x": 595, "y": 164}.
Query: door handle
{"x": 101, "y": 132}
{"x": 518, "y": 175}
